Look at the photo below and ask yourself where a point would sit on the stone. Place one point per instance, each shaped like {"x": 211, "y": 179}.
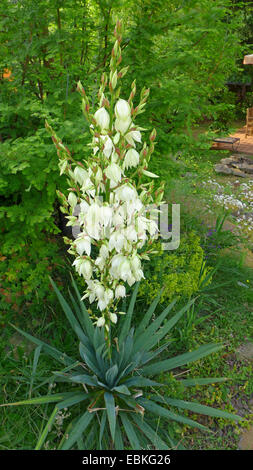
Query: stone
{"x": 223, "y": 169}
{"x": 237, "y": 165}
{"x": 245, "y": 351}
{"x": 246, "y": 441}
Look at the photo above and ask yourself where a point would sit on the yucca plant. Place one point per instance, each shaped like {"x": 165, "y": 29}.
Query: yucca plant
{"x": 118, "y": 396}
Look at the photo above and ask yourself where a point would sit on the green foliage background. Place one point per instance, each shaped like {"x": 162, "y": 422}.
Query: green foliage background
{"x": 183, "y": 50}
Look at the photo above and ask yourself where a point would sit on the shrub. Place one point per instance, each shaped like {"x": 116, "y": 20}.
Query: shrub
{"x": 178, "y": 272}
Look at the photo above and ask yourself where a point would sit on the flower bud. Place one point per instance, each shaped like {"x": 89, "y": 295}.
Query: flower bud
{"x": 72, "y": 199}
{"x": 113, "y": 317}
{"x": 152, "y": 135}
{"x": 114, "y": 79}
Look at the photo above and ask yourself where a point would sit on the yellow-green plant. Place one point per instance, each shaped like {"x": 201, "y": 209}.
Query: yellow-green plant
{"x": 178, "y": 272}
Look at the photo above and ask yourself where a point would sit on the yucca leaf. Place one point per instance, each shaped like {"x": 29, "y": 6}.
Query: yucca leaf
{"x": 111, "y": 412}
{"x": 111, "y": 375}
{"x": 76, "y": 397}
{"x": 90, "y": 360}
{"x": 145, "y": 321}
{"x": 198, "y": 408}
{"x": 77, "y": 430}
{"x": 119, "y": 445}
{"x": 88, "y": 326}
{"x": 149, "y": 356}
{"x": 152, "y": 435}
{"x": 46, "y": 429}
{"x": 53, "y": 352}
{"x": 102, "y": 428}
{"x": 122, "y": 389}
{"x": 99, "y": 338}
{"x": 128, "y": 317}
{"x": 101, "y": 353}
{"x": 164, "y": 413}
{"x": 142, "y": 340}
{"x": 40, "y": 400}
{"x": 90, "y": 439}
{"x": 130, "y": 432}
{"x": 149, "y": 339}
{"x": 172, "y": 322}
{"x": 200, "y": 381}
{"x": 35, "y": 363}
{"x": 77, "y": 311}
{"x": 69, "y": 314}
{"x": 81, "y": 379}
{"x": 182, "y": 359}
{"x": 134, "y": 364}
{"x": 127, "y": 350}
{"x": 141, "y": 382}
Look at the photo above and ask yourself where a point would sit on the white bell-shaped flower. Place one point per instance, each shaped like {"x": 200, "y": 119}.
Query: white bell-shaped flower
{"x": 122, "y": 125}
{"x": 132, "y": 137}
{"x": 83, "y": 244}
{"x": 131, "y": 159}
{"x": 102, "y": 118}
{"x": 113, "y": 172}
{"x": 122, "y": 110}
{"x": 120, "y": 291}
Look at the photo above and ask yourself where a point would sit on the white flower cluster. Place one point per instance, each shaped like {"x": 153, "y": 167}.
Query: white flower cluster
{"x": 236, "y": 197}
{"x": 112, "y": 198}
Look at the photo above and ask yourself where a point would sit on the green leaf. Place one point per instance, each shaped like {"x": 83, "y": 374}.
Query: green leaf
{"x": 119, "y": 445}
{"x": 69, "y": 314}
{"x": 84, "y": 379}
{"x": 200, "y": 381}
{"x": 142, "y": 341}
{"x": 130, "y": 432}
{"x": 145, "y": 321}
{"x": 40, "y": 400}
{"x": 35, "y": 363}
{"x": 128, "y": 317}
{"x": 101, "y": 431}
{"x": 181, "y": 360}
{"x": 149, "y": 339}
{"x": 111, "y": 412}
{"x": 77, "y": 430}
{"x": 46, "y": 429}
{"x": 122, "y": 389}
{"x": 164, "y": 413}
{"x": 89, "y": 328}
{"x": 141, "y": 382}
{"x": 111, "y": 375}
{"x": 75, "y": 398}
{"x": 53, "y": 352}
{"x": 152, "y": 435}
{"x": 90, "y": 360}
{"x": 198, "y": 408}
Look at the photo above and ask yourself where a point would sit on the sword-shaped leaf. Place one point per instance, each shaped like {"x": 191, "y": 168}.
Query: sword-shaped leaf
{"x": 128, "y": 317}
{"x": 130, "y": 432}
{"x": 149, "y": 405}
{"x": 182, "y": 359}
{"x": 77, "y": 430}
{"x": 111, "y": 412}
